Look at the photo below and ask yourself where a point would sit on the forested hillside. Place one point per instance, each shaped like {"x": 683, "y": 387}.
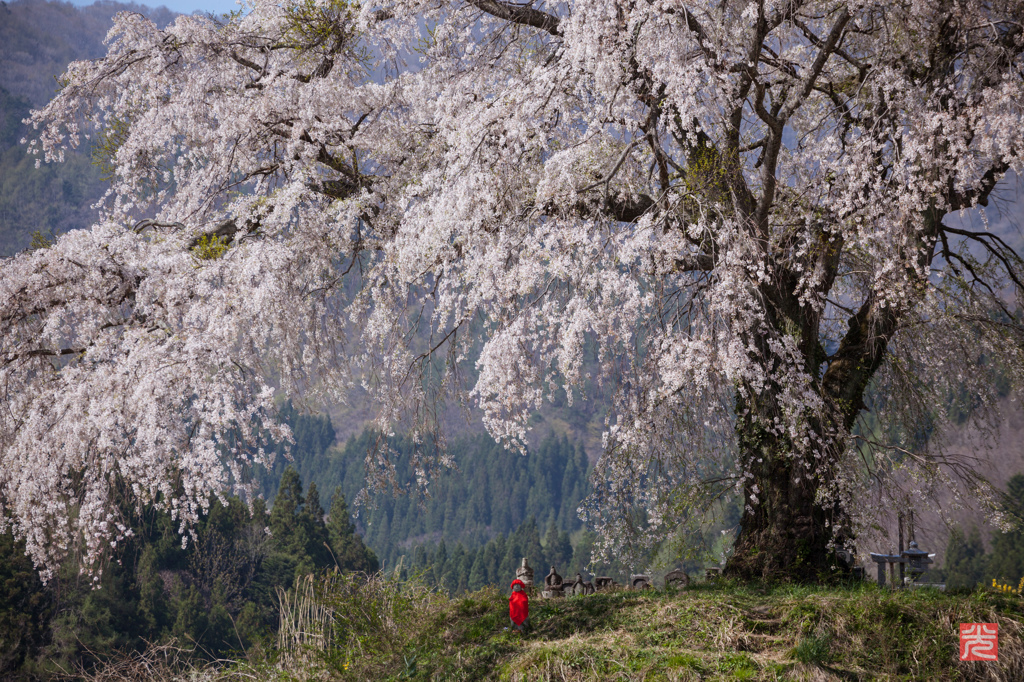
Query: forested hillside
{"x": 38, "y": 39}
{"x": 492, "y": 494}
{"x": 218, "y": 593}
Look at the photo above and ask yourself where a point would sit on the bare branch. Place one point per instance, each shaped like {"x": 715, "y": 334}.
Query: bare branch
{"x": 520, "y": 14}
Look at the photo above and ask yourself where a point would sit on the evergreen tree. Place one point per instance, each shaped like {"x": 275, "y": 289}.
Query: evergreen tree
{"x": 439, "y": 563}
{"x": 299, "y": 535}
{"x": 285, "y": 526}
{"x": 25, "y": 606}
{"x": 581, "y": 553}
{"x": 348, "y": 548}
{"x": 1007, "y": 560}
{"x": 965, "y": 560}
{"x": 527, "y": 536}
{"x": 558, "y": 549}
{"x": 190, "y": 623}
{"x": 420, "y": 560}
{"x": 492, "y": 554}
{"x": 312, "y": 518}
{"x": 456, "y": 572}
{"x": 478, "y": 572}
{"x": 154, "y": 610}
{"x": 219, "y": 593}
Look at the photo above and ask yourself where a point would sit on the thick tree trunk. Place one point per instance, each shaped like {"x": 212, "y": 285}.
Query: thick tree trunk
{"x": 784, "y": 532}
{"x": 788, "y": 529}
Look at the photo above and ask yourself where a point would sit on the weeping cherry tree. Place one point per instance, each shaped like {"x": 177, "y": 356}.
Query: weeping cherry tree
{"x": 731, "y": 216}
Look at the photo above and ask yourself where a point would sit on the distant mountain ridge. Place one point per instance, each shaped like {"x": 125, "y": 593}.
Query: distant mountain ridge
{"x": 38, "y": 39}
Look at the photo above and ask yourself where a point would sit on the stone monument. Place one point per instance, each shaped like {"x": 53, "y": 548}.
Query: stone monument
{"x": 552, "y": 585}
{"x": 677, "y": 578}
{"x": 640, "y": 581}
{"x": 580, "y": 586}
{"x": 525, "y": 573}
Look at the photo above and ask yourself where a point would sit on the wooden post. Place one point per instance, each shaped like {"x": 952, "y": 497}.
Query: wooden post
{"x": 899, "y": 522}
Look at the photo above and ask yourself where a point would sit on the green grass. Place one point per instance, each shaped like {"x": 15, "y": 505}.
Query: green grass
{"x": 730, "y": 633}
{"x": 713, "y": 632}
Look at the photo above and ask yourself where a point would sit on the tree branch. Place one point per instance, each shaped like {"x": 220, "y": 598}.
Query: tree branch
{"x": 520, "y": 14}
{"x": 824, "y": 53}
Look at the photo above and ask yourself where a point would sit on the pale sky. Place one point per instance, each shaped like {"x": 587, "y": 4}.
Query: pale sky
{"x": 182, "y": 6}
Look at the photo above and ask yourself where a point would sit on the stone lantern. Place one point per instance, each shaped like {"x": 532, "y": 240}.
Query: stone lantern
{"x": 916, "y": 560}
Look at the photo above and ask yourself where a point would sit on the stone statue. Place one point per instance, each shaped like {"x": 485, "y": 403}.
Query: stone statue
{"x": 552, "y": 585}
{"x": 580, "y": 587}
{"x": 525, "y": 573}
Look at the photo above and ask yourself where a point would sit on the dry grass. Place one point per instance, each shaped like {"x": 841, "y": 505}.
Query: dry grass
{"x": 737, "y": 633}
{"x": 167, "y": 663}
{"x": 376, "y": 628}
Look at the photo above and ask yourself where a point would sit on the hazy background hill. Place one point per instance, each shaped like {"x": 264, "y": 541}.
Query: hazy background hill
{"x": 38, "y": 40}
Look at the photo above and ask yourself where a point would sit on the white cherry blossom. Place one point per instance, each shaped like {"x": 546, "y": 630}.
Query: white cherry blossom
{"x": 738, "y": 206}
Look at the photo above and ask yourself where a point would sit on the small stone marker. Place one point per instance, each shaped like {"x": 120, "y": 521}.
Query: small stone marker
{"x": 677, "y": 578}
{"x": 640, "y": 581}
{"x": 603, "y": 583}
{"x": 579, "y": 586}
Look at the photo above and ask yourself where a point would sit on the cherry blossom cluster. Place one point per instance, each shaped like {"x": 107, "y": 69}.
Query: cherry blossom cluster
{"x": 729, "y": 214}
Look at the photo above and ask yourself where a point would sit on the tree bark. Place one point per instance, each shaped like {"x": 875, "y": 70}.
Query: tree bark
{"x": 785, "y": 532}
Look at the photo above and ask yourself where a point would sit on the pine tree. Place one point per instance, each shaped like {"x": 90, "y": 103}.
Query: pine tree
{"x": 25, "y": 609}
{"x": 478, "y": 573}
{"x": 191, "y": 622}
{"x": 439, "y": 563}
{"x": 348, "y": 548}
{"x": 298, "y": 530}
{"x": 557, "y": 549}
{"x": 284, "y": 514}
{"x": 510, "y": 558}
{"x": 965, "y": 560}
{"x": 457, "y": 571}
{"x": 529, "y": 543}
{"x": 493, "y": 554}
{"x": 154, "y": 611}
{"x": 582, "y": 551}
{"x": 312, "y": 518}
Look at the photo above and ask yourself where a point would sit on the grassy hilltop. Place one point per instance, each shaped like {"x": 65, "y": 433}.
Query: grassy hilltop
{"x": 342, "y": 628}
